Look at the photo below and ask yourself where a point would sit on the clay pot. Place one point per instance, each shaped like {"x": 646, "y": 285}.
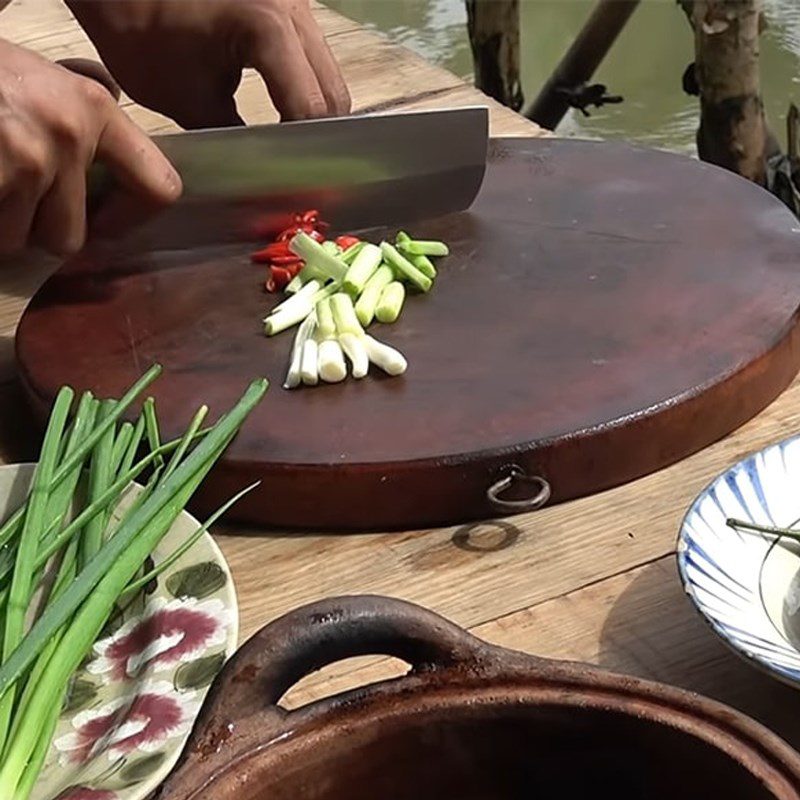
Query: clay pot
{"x": 469, "y": 722}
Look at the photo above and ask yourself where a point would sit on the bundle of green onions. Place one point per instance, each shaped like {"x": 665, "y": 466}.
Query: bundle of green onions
{"x": 65, "y": 562}
{"x": 338, "y": 294}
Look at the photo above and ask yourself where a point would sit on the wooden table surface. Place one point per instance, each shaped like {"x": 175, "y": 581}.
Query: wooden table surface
{"x": 593, "y": 580}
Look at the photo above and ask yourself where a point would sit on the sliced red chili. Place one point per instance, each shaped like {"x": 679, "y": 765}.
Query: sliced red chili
{"x": 274, "y": 250}
{"x": 280, "y": 276}
{"x": 290, "y": 233}
{"x": 261, "y": 256}
{"x": 347, "y": 241}
{"x": 285, "y": 261}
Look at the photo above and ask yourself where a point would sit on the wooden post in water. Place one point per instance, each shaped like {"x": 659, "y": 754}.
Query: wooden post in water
{"x": 493, "y": 27}
{"x": 585, "y": 55}
{"x": 733, "y": 130}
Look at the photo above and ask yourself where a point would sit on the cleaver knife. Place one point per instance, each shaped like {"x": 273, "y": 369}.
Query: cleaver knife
{"x": 242, "y": 184}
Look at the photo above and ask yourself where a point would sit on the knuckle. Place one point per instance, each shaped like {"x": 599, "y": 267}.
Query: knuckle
{"x": 26, "y": 155}
{"x": 315, "y": 105}
{"x": 68, "y": 133}
{"x": 95, "y": 94}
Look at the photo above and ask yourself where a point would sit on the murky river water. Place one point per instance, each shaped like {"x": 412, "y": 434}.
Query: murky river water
{"x": 645, "y": 65}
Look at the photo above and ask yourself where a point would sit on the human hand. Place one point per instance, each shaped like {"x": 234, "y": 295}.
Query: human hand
{"x": 184, "y": 58}
{"x": 53, "y": 124}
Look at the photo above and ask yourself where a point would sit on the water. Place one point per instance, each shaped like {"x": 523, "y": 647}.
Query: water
{"x": 645, "y": 65}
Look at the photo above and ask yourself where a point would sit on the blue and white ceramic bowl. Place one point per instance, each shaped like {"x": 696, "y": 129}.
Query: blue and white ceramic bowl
{"x": 747, "y": 585}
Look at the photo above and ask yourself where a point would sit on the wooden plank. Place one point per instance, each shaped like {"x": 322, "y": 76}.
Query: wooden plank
{"x": 639, "y": 623}
{"x": 25, "y": 22}
{"x": 477, "y": 573}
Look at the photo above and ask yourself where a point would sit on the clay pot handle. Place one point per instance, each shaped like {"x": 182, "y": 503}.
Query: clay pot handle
{"x": 242, "y": 704}
{"x": 331, "y": 630}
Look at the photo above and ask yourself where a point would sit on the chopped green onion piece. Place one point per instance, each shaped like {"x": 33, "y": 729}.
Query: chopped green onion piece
{"x": 391, "y": 361}
{"x": 326, "y": 291}
{"x": 345, "y": 314}
{"x": 325, "y": 323}
{"x": 305, "y": 295}
{"x": 330, "y": 362}
{"x": 391, "y": 302}
{"x": 424, "y": 265}
{"x": 317, "y": 258}
{"x": 349, "y": 255}
{"x": 331, "y": 247}
{"x": 295, "y": 284}
{"x": 308, "y": 363}
{"x": 370, "y": 297}
{"x": 362, "y": 269}
{"x": 356, "y": 352}
{"x": 405, "y": 267}
{"x": 304, "y": 332}
{"x": 417, "y": 247}
{"x": 277, "y": 323}
{"x": 401, "y": 239}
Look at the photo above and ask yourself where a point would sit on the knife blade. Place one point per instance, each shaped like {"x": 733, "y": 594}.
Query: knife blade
{"x": 359, "y": 171}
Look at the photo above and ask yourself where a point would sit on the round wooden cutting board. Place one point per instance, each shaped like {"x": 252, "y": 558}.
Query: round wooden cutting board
{"x": 605, "y": 311}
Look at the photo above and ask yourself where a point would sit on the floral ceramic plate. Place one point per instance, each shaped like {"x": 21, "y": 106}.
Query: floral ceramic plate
{"x": 131, "y": 706}
{"x": 747, "y": 585}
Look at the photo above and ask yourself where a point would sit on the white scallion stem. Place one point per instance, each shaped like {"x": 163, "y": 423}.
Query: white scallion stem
{"x": 362, "y": 269}
{"x": 356, "y": 352}
{"x": 287, "y": 319}
{"x": 308, "y": 363}
{"x": 368, "y": 301}
{"x": 391, "y": 361}
{"x": 304, "y": 332}
{"x": 330, "y": 362}
{"x": 317, "y": 258}
{"x": 345, "y": 314}
{"x": 327, "y": 327}
{"x": 300, "y": 298}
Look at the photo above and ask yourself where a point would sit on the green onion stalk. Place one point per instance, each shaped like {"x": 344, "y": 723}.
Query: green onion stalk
{"x": 96, "y": 565}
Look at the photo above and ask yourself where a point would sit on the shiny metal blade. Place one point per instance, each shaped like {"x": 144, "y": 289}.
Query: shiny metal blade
{"x": 359, "y": 171}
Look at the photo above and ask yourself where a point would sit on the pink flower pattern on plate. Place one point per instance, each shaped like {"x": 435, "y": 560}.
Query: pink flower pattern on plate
{"x": 85, "y": 793}
{"x": 142, "y": 722}
{"x": 169, "y": 632}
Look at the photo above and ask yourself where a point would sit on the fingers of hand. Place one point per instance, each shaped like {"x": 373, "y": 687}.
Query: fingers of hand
{"x": 323, "y": 63}
{"x": 28, "y": 170}
{"x": 279, "y": 56}
{"x": 59, "y": 225}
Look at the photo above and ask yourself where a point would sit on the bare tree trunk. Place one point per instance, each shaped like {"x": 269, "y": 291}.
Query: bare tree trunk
{"x": 733, "y": 131}
{"x": 494, "y": 36}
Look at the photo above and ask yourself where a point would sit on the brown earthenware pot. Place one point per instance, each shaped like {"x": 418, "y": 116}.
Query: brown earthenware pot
{"x": 469, "y": 721}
